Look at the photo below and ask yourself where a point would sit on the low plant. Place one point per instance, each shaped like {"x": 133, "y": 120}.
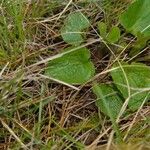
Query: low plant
{"x": 129, "y": 89}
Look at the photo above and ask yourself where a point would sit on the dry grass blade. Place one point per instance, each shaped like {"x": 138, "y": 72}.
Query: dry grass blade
{"x": 39, "y": 112}
{"x": 2, "y": 71}
{"x": 13, "y": 134}
{"x": 58, "y": 81}
{"x": 64, "y": 53}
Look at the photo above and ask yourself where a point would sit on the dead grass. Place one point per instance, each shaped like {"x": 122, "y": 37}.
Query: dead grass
{"x": 44, "y": 113}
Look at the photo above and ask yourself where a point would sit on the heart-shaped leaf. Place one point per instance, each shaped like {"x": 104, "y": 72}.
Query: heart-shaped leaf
{"x": 114, "y": 35}
{"x": 72, "y": 30}
{"x": 134, "y": 77}
{"x": 73, "y": 68}
{"x": 136, "y": 19}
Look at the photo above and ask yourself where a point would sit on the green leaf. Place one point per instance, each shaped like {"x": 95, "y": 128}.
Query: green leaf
{"x": 73, "y": 68}
{"x": 138, "y": 45}
{"x": 136, "y": 19}
{"x": 102, "y": 29}
{"x": 138, "y": 77}
{"x": 108, "y": 100}
{"x": 72, "y": 30}
{"x": 114, "y": 35}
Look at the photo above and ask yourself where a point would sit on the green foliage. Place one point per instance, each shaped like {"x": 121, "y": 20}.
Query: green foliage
{"x": 108, "y": 100}
{"x": 138, "y": 77}
{"x": 134, "y": 78}
{"x": 12, "y": 33}
{"x": 28, "y": 106}
{"x": 102, "y": 27}
{"x": 15, "y": 10}
{"x": 109, "y": 103}
{"x": 136, "y": 18}
{"x": 74, "y": 67}
{"x": 112, "y": 36}
{"x": 72, "y": 30}
{"x": 139, "y": 44}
